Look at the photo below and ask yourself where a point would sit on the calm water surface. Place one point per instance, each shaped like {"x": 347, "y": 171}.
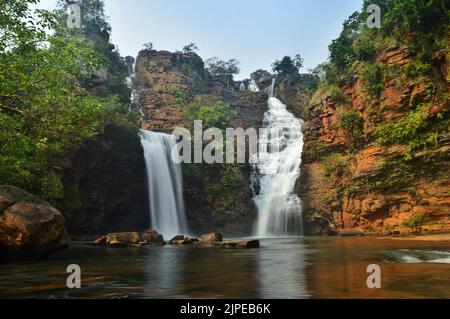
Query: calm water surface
{"x": 283, "y": 268}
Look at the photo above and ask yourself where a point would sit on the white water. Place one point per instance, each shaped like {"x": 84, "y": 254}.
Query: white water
{"x": 164, "y": 184}
{"x": 276, "y": 172}
{"x": 253, "y": 87}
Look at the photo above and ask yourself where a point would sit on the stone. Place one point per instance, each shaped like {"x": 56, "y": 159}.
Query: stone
{"x": 238, "y": 244}
{"x": 101, "y": 241}
{"x": 29, "y": 227}
{"x": 117, "y": 244}
{"x": 212, "y": 237}
{"x": 181, "y": 240}
{"x": 176, "y": 239}
{"x": 127, "y": 238}
{"x": 152, "y": 237}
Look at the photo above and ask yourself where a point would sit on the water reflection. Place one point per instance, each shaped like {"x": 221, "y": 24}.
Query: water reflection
{"x": 282, "y": 268}
{"x": 281, "y": 271}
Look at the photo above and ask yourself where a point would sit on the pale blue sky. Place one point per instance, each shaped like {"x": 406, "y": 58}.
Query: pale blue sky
{"x": 255, "y": 32}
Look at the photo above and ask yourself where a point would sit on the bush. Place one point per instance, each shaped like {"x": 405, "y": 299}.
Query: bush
{"x": 353, "y": 124}
{"x": 335, "y": 165}
{"x": 414, "y": 222}
{"x": 217, "y": 114}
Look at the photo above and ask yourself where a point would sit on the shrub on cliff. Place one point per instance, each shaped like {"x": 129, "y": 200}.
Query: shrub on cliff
{"x": 414, "y": 222}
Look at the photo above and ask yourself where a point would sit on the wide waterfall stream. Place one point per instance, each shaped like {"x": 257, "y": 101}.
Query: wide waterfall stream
{"x": 165, "y": 182}
{"x": 277, "y": 170}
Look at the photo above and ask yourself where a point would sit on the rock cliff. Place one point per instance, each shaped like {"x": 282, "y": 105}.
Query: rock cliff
{"x": 352, "y": 181}
{"x": 218, "y": 197}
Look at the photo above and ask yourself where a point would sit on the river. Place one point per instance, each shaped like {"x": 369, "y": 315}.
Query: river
{"x": 301, "y": 267}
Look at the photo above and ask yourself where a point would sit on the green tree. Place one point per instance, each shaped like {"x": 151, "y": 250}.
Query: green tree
{"x": 288, "y": 65}
{"x": 213, "y": 114}
{"x": 47, "y": 110}
{"x": 222, "y": 68}
{"x": 148, "y": 46}
{"x": 190, "y": 48}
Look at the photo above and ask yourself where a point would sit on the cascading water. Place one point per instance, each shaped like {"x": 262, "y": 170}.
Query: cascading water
{"x": 277, "y": 170}
{"x": 253, "y": 87}
{"x": 164, "y": 184}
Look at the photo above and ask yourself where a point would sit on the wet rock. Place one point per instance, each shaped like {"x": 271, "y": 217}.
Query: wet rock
{"x": 181, "y": 240}
{"x": 117, "y": 244}
{"x": 212, "y": 237}
{"x": 238, "y": 244}
{"x": 29, "y": 227}
{"x": 176, "y": 239}
{"x": 120, "y": 239}
{"x": 100, "y": 241}
{"x": 152, "y": 237}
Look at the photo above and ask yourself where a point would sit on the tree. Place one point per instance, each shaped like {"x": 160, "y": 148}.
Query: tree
{"x": 17, "y": 30}
{"x": 223, "y": 68}
{"x": 288, "y": 65}
{"x": 217, "y": 114}
{"x": 260, "y": 74}
{"x": 190, "y": 48}
{"x": 47, "y": 110}
{"x": 148, "y": 46}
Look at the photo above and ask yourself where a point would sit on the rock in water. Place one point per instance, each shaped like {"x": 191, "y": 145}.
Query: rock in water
{"x": 212, "y": 237}
{"x": 152, "y": 237}
{"x": 29, "y": 227}
{"x": 100, "y": 241}
{"x": 238, "y": 244}
{"x": 123, "y": 239}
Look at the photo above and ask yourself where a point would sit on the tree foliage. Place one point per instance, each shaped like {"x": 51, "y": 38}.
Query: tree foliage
{"x": 218, "y": 67}
{"x": 288, "y": 65}
{"x": 48, "y": 109}
{"x": 190, "y": 48}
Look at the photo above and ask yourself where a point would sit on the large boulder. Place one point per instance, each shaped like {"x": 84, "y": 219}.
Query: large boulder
{"x": 152, "y": 237}
{"x": 29, "y": 227}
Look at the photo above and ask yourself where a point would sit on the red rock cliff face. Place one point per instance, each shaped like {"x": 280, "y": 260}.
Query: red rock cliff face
{"x": 161, "y": 76}
{"x": 377, "y": 190}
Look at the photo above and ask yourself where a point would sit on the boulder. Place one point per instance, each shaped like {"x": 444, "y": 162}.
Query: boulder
{"x": 123, "y": 239}
{"x": 212, "y": 237}
{"x": 238, "y": 244}
{"x": 29, "y": 227}
{"x": 152, "y": 237}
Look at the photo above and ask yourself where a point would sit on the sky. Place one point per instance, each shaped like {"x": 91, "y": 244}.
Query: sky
{"x": 255, "y": 32}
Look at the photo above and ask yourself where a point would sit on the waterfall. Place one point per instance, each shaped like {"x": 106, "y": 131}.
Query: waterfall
{"x": 242, "y": 87}
{"x": 164, "y": 184}
{"x": 276, "y": 172}
{"x": 253, "y": 87}
{"x": 270, "y": 90}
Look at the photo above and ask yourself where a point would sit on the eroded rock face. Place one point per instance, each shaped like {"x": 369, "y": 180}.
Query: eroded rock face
{"x": 29, "y": 227}
{"x": 378, "y": 190}
{"x": 162, "y": 77}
